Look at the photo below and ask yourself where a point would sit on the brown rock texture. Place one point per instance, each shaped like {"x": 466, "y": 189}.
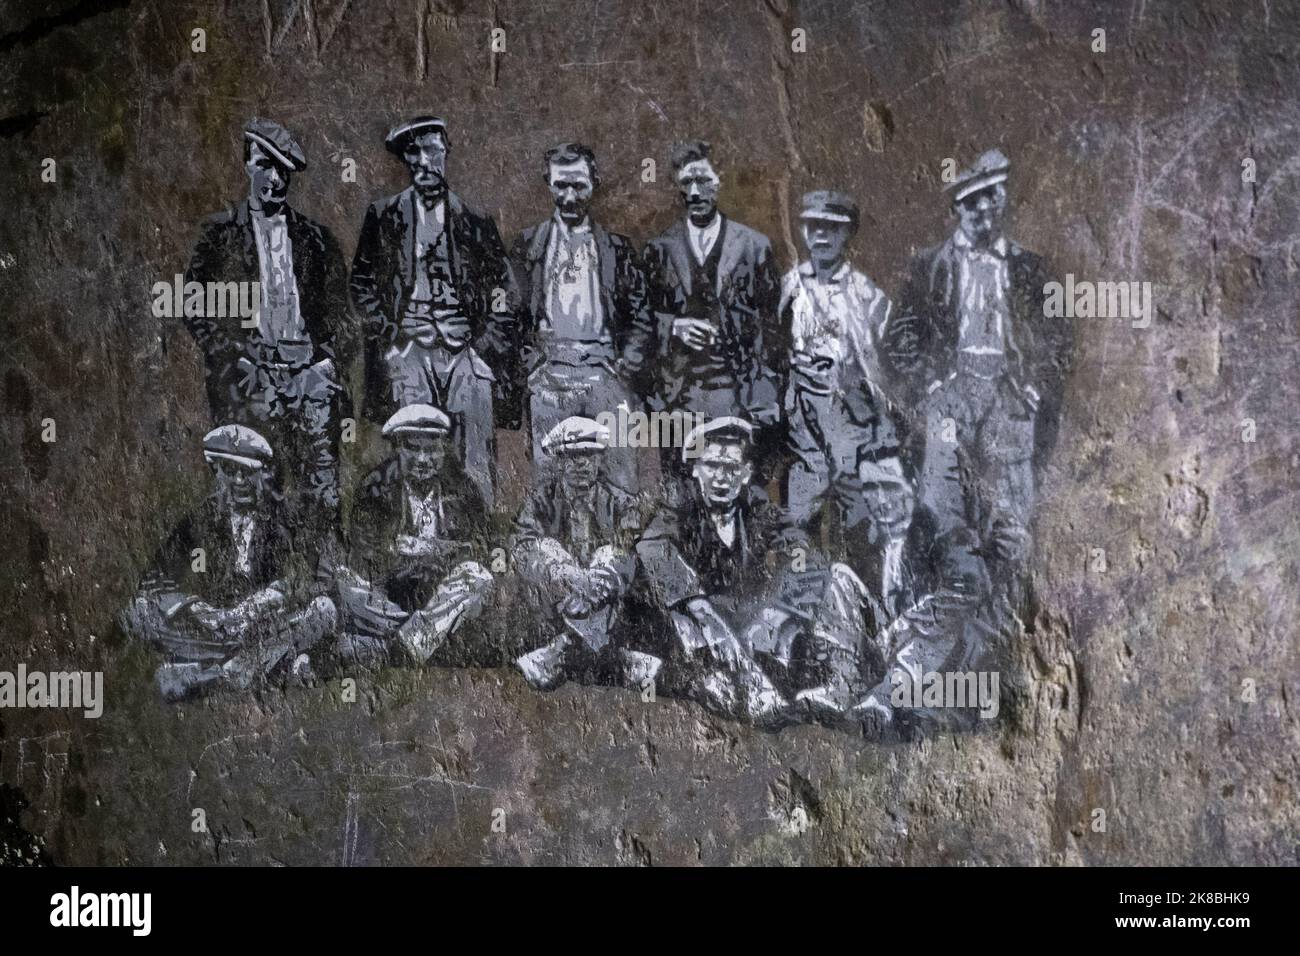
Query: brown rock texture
{"x": 1162, "y": 690}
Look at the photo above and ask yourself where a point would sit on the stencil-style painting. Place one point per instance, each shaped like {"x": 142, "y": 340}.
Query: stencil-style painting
{"x": 789, "y": 498}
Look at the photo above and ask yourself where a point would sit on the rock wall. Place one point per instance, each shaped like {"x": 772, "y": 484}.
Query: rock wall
{"x": 1161, "y": 690}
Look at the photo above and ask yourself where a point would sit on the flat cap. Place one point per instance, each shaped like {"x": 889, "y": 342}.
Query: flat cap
{"x": 417, "y": 419}
{"x": 275, "y": 140}
{"x": 725, "y": 429}
{"x": 989, "y": 170}
{"x": 829, "y": 205}
{"x": 237, "y": 443}
{"x": 574, "y": 434}
{"x": 400, "y": 134}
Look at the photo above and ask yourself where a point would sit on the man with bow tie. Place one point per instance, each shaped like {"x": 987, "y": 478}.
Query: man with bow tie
{"x": 283, "y": 373}
{"x": 435, "y": 288}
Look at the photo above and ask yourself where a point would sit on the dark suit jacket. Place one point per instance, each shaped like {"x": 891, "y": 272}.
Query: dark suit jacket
{"x": 227, "y": 252}
{"x": 681, "y": 556}
{"x": 378, "y": 512}
{"x": 380, "y": 285}
{"x": 921, "y": 337}
{"x": 748, "y": 289}
{"x": 922, "y": 563}
{"x": 545, "y": 514}
{"x": 623, "y": 298}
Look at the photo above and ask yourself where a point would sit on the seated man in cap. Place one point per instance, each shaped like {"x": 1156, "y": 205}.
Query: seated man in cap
{"x": 904, "y": 602}
{"x": 588, "y": 336}
{"x": 285, "y": 374}
{"x": 228, "y": 601}
{"x": 714, "y": 288}
{"x": 835, "y": 401}
{"x": 573, "y": 544}
{"x": 724, "y": 575}
{"x": 982, "y": 368}
{"x": 433, "y": 283}
{"x": 418, "y": 526}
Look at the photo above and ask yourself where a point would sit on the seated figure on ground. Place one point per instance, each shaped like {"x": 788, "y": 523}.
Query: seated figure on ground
{"x": 414, "y": 575}
{"x": 230, "y": 600}
{"x": 573, "y": 546}
{"x": 722, "y": 577}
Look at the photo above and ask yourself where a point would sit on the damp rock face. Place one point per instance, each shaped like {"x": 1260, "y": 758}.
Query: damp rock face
{"x": 1150, "y": 698}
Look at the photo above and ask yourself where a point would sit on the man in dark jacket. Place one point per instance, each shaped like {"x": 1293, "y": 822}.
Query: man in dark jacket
{"x": 721, "y": 569}
{"x": 434, "y": 286}
{"x": 230, "y": 598}
{"x": 586, "y": 331}
{"x": 418, "y": 535}
{"x": 573, "y": 544}
{"x": 715, "y": 289}
{"x": 282, "y": 371}
{"x": 982, "y": 368}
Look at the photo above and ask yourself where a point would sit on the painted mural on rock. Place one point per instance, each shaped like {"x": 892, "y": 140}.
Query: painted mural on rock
{"x": 797, "y": 497}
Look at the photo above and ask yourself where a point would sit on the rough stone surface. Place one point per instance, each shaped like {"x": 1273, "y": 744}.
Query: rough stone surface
{"x": 1128, "y": 684}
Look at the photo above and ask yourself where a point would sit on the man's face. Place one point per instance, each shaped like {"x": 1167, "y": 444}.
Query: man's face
{"x": 268, "y": 180}
{"x": 579, "y": 470}
{"x": 240, "y": 485}
{"x": 422, "y": 458}
{"x": 826, "y": 239}
{"x": 571, "y": 188}
{"x": 426, "y": 158}
{"x": 699, "y": 185}
{"x": 981, "y": 214}
{"x": 722, "y": 471}
{"x": 889, "y": 506}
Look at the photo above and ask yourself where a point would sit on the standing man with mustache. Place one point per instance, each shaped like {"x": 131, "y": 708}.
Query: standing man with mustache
{"x": 585, "y": 323}
{"x": 715, "y": 291}
{"x": 435, "y": 288}
{"x": 283, "y": 375}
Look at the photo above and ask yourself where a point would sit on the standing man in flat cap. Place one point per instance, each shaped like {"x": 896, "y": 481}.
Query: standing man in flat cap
{"x": 573, "y": 543}
{"x": 284, "y": 372}
{"x": 983, "y": 369}
{"x": 587, "y": 333}
{"x": 714, "y": 578}
{"x": 229, "y": 600}
{"x": 419, "y": 529}
{"x": 434, "y": 285}
{"x": 835, "y": 400}
{"x": 714, "y": 286}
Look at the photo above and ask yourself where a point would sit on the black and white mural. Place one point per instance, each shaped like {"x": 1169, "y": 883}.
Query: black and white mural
{"x": 790, "y": 495}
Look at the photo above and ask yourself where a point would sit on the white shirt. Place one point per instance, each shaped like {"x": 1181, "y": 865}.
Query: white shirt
{"x": 425, "y": 512}
{"x": 573, "y": 309}
{"x": 702, "y": 240}
{"x": 725, "y": 525}
{"x": 241, "y": 527}
{"x": 982, "y": 287}
{"x": 891, "y": 573}
{"x": 279, "y": 318}
{"x": 839, "y": 319}
{"x": 429, "y": 224}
